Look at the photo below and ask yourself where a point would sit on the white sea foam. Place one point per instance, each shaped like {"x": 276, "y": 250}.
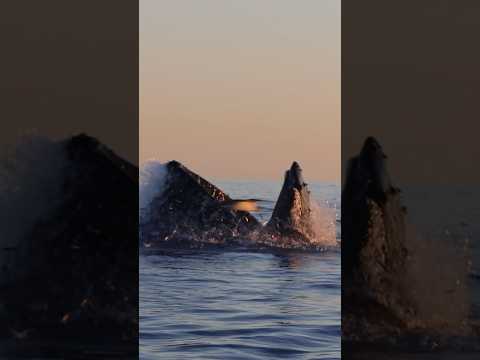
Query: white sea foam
{"x": 152, "y": 180}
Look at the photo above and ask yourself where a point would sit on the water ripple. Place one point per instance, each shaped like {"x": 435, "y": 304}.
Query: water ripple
{"x": 240, "y": 304}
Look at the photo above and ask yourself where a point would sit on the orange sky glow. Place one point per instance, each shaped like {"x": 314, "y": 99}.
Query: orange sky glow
{"x": 238, "y": 90}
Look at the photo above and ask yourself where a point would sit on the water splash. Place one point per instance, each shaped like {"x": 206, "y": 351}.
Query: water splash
{"x": 153, "y": 176}
{"x": 324, "y": 225}
{"x": 31, "y": 179}
{"x": 438, "y": 279}
{"x": 152, "y": 181}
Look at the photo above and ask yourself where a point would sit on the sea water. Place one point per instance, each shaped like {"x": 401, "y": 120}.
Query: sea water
{"x": 444, "y": 273}
{"x": 243, "y": 304}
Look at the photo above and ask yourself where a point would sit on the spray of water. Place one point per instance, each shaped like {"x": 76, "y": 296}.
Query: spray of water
{"x": 31, "y": 179}
{"x": 153, "y": 175}
{"x": 152, "y": 180}
{"x": 324, "y": 220}
{"x": 437, "y": 279}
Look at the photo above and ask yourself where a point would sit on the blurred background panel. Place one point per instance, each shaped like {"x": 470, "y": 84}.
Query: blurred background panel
{"x": 69, "y": 178}
{"x": 70, "y": 67}
{"x": 410, "y": 78}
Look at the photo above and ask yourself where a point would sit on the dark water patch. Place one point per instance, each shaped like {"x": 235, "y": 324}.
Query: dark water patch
{"x": 280, "y": 351}
{"x": 13, "y": 349}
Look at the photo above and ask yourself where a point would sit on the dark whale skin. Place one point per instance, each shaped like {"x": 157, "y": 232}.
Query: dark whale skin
{"x": 191, "y": 212}
{"x": 83, "y": 281}
{"x": 292, "y": 215}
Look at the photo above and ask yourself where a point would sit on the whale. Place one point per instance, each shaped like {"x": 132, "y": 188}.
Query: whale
{"x": 192, "y": 212}
{"x": 292, "y": 215}
{"x": 372, "y": 212}
{"x": 374, "y": 251}
{"x": 77, "y": 265}
{"x": 367, "y": 174}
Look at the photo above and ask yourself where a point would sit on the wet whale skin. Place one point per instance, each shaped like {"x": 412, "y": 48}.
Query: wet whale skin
{"x": 191, "y": 212}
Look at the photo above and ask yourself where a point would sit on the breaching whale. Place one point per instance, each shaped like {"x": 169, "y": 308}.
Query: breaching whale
{"x": 292, "y": 215}
{"x": 374, "y": 252}
{"x": 192, "y": 212}
{"x": 75, "y": 272}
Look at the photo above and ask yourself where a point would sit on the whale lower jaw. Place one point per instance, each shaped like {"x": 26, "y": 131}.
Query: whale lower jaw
{"x": 193, "y": 213}
{"x": 292, "y": 215}
{"x": 374, "y": 252}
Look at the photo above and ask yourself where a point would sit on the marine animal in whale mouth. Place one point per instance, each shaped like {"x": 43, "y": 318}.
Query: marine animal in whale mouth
{"x": 192, "y": 212}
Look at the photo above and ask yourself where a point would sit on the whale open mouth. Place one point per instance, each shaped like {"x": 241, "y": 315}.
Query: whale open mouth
{"x": 190, "y": 210}
{"x": 373, "y": 160}
{"x": 367, "y": 173}
{"x": 292, "y": 212}
{"x": 294, "y": 175}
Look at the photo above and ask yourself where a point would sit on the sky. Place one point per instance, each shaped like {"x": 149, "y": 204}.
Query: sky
{"x": 240, "y": 89}
{"x": 64, "y": 72}
{"x": 415, "y": 87}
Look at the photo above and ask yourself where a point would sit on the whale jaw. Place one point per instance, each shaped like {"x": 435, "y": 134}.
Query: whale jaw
{"x": 367, "y": 173}
{"x": 291, "y": 216}
{"x": 192, "y": 212}
{"x": 374, "y": 252}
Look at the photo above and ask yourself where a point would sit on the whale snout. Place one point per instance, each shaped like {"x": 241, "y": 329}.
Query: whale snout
{"x": 294, "y": 175}
{"x": 371, "y": 170}
{"x": 372, "y": 149}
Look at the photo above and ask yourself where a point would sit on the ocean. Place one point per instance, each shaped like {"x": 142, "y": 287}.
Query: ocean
{"x": 243, "y": 304}
{"x": 443, "y": 238}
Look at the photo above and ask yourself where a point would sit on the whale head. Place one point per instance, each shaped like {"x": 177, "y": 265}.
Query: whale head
{"x": 367, "y": 174}
{"x": 192, "y": 212}
{"x": 292, "y": 212}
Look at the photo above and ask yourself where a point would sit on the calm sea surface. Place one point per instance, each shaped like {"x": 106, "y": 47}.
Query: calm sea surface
{"x": 243, "y": 304}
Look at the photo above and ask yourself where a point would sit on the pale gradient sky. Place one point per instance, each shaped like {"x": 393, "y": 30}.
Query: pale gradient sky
{"x": 240, "y": 89}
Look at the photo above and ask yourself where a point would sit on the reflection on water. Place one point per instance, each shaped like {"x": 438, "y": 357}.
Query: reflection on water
{"x": 217, "y": 305}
